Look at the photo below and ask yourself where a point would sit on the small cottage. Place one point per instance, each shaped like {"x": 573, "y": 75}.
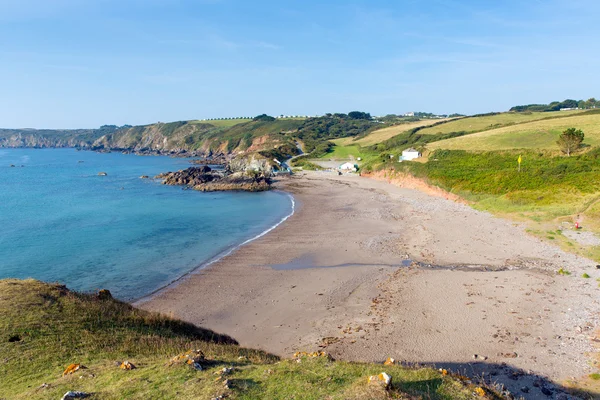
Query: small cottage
{"x": 409, "y": 154}
{"x": 348, "y": 167}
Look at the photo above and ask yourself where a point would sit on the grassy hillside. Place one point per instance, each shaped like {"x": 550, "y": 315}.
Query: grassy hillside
{"x": 44, "y": 328}
{"x": 540, "y": 134}
{"x": 493, "y": 121}
{"x": 550, "y": 192}
{"x": 381, "y": 135}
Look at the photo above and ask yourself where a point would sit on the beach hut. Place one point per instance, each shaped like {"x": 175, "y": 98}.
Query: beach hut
{"x": 348, "y": 167}
{"x": 409, "y": 154}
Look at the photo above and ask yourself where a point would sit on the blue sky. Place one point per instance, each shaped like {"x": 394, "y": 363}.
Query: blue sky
{"x": 84, "y": 63}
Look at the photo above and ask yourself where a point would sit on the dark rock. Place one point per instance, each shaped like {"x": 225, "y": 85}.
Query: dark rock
{"x": 546, "y": 391}
{"x": 144, "y": 177}
{"x": 12, "y": 165}
{"x": 14, "y": 338}
{"x": 207, "y": 180}
{"x": 105, "y": 294}
{"x": 75, "y": 395}
{"x": 525, "y": 389}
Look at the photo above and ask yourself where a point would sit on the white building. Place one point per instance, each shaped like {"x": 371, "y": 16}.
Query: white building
{"x": 409, "y": 154}
{"x": 348, "y": 167}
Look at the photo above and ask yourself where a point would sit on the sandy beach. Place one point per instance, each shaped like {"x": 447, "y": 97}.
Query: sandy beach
{"x": 368, "y": 270}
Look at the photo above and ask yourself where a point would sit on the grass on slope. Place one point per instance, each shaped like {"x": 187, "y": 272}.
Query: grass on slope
{"x": 548, "y": 192}
{"x": 541, "y": 134}
{"x": 44, "y": 328}
{"x": 493, "y": 121}
{"x": 386, "y": 133}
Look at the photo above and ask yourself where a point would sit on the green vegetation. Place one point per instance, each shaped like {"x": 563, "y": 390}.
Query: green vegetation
{"x": 380, "y": 135}
{"x": 264, "y": 117}
{"x": 570, "y": 140}
{"x": 44, "y": 328}
{"x": 586, "y": 276}
{"x": 315, "y": 131}
{"x": 558, "y": 105}
{"x": 548, "y": 190}
{"x": 563, "y": 272}
{"x": 539, "y": 134}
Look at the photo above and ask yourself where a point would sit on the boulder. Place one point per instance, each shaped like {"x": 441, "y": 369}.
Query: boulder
{"x": 126, "y": 365}
{"x": 104, "y": 294}
{"x": 383, "y": 380}
{"x": 75, "y": 395}
{"x": 102, "y": 174}
{"x": 144, "y": 177}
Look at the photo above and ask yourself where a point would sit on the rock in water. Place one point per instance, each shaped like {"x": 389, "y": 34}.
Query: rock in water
{"x": 206, "y": 180}
{"x": 102, "y": 174}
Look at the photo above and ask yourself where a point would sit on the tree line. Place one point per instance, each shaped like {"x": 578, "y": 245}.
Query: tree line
{"x": 558, "y": 105}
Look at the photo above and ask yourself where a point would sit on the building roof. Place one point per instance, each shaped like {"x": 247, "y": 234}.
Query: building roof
{"x": 411, "y": 150}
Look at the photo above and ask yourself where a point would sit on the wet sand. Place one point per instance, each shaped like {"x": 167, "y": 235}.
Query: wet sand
{"x": 367, "y": 270}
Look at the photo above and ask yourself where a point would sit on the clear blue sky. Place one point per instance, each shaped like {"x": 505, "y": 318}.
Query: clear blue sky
{"x": 83, "y": 63}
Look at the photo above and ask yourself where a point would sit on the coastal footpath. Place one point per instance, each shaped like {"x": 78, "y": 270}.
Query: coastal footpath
{"x": 366, "y": 270}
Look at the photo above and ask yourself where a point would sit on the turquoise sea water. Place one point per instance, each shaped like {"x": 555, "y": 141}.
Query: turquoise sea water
{"x": 61, "y": 222}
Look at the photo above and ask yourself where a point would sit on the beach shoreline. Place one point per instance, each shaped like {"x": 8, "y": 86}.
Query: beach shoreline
{"x": 215, "y": 259}
{"x": 345, "y": 274}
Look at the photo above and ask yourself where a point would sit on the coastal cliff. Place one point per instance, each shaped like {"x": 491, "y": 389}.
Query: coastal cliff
{"x": 189, "y": 138}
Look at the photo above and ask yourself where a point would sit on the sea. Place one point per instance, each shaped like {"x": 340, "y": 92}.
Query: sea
{"x": 62, "y": 222}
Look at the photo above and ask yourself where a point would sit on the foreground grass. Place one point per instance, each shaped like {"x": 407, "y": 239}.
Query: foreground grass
{"x": 44, "y": 328}
{"x": 541, "y": 134}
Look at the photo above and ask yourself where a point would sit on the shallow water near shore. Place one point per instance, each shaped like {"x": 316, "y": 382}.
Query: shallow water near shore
{"x": 61, "y": 222}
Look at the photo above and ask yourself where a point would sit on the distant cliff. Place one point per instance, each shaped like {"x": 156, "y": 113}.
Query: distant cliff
{"x": 48, "y": 138}
{"x": 191, "y": 137}
{"x": 273, "y": 137}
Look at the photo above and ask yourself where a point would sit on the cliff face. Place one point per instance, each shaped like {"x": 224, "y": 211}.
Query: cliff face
{"x": 174, "y": 136}
{"x": 12, "y": 138}
{"x": 185, "y": 137}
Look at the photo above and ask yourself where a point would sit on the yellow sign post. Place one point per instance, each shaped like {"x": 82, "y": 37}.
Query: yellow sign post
{"x": 519, "y": 161}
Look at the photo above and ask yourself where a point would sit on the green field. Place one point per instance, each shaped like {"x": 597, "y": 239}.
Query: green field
{"x": 487, "y": 122}
{"x": 541, "y": 134}
{"x": 386, "y": 133}
{"x": 45, "y": 328}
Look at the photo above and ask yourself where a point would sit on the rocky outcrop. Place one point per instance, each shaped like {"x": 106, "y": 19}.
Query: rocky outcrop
{"x": 207, "y": 180}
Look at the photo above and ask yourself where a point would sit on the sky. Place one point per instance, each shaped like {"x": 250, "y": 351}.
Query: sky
{"x": 85, "y": 63}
